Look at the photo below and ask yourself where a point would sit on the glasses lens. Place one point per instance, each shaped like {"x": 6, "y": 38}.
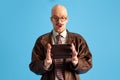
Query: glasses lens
{"x": 62, "y": 19}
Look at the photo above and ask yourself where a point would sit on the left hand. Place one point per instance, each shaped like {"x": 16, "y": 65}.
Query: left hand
{"x": 74, "y": 55}
{"x": 48, "y": 59}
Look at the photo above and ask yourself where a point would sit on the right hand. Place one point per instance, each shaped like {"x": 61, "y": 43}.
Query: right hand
{"x": 48, "y": 59}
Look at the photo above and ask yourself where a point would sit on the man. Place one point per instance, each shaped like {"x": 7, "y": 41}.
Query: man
{"x": 42, "y": 62}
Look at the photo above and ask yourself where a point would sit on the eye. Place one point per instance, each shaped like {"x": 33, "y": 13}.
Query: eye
{"x": 56, "y": 18}
{"x": 62, "y": 17}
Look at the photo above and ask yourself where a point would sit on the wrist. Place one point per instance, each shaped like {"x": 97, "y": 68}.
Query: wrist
{"x": 75, "y": 60}
{"x": 46, "y": 65}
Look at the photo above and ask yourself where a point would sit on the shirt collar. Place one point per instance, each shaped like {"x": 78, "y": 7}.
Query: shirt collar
{"x": 63, "y": 34}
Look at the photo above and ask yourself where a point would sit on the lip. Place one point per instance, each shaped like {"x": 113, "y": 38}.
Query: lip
{"x": 59, "y": 25}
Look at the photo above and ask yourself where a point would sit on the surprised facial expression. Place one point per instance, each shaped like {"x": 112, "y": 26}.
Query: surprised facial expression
{"x": 59, "y": 18}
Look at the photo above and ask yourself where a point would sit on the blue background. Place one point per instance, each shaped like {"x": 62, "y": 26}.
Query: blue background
{"x": 23, "y": 21}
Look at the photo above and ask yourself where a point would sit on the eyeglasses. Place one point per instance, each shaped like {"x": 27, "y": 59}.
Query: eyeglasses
{"x": 62, "y": 19}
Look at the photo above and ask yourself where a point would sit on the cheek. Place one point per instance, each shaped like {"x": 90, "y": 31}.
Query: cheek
{"x": 64, "y": 26}
{"x": 53, "y": 24}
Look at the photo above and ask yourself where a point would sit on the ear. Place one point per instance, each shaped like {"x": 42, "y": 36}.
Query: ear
{"x": 67, "y": 19}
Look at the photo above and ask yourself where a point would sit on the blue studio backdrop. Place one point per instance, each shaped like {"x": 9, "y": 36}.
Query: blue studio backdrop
{"x": 23, "y": 21}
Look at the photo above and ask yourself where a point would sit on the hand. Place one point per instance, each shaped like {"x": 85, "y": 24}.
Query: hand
{"x": 48, "y": 59}
{"x": 74, "y": 55}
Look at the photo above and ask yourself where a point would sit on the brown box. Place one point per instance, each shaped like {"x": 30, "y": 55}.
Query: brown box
{"x": 61, "y": 51}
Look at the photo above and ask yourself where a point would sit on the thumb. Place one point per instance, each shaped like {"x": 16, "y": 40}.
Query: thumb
{"x": 73, "y": 47}
{"x": 48, "y": 50}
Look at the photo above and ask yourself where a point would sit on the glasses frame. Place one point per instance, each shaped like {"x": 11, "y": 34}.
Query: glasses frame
{"x": 56, "y": 18}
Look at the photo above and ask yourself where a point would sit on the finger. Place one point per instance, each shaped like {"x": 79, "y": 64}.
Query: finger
{"x": 74, "y": 52}
{"x": 48, "y": 48}
{"x": 48, "y": 56}
{"x": 73, "y": 47}
{"x": 48, "y": 51}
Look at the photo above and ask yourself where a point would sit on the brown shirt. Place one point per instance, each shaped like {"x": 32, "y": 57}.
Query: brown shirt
{"x": 71, "y": 72}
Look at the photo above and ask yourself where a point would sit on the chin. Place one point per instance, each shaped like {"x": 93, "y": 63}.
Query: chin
{"x": 59, "y": 31}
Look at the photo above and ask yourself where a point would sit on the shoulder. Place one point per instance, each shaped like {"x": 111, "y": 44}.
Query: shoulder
{"x": 44, "y": 39}
{"x": 75, "y": 35}
{"x": 44, "y": 36}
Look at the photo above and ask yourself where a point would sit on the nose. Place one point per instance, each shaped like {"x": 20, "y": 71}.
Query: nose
{"x": 59, "y": 21}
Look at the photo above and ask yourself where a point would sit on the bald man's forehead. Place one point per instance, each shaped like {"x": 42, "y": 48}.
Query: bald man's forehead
{"x": 59, "y": 10}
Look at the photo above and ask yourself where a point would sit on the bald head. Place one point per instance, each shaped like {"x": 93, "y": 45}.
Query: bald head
{"x": 59, "y": 18}
{"x": 59, "y": 10}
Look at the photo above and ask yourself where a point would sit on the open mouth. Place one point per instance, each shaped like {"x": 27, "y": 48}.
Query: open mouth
{"x": 59, "y": 25}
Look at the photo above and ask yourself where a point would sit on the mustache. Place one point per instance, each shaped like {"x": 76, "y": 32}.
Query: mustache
{"x": 59, "y": 24}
